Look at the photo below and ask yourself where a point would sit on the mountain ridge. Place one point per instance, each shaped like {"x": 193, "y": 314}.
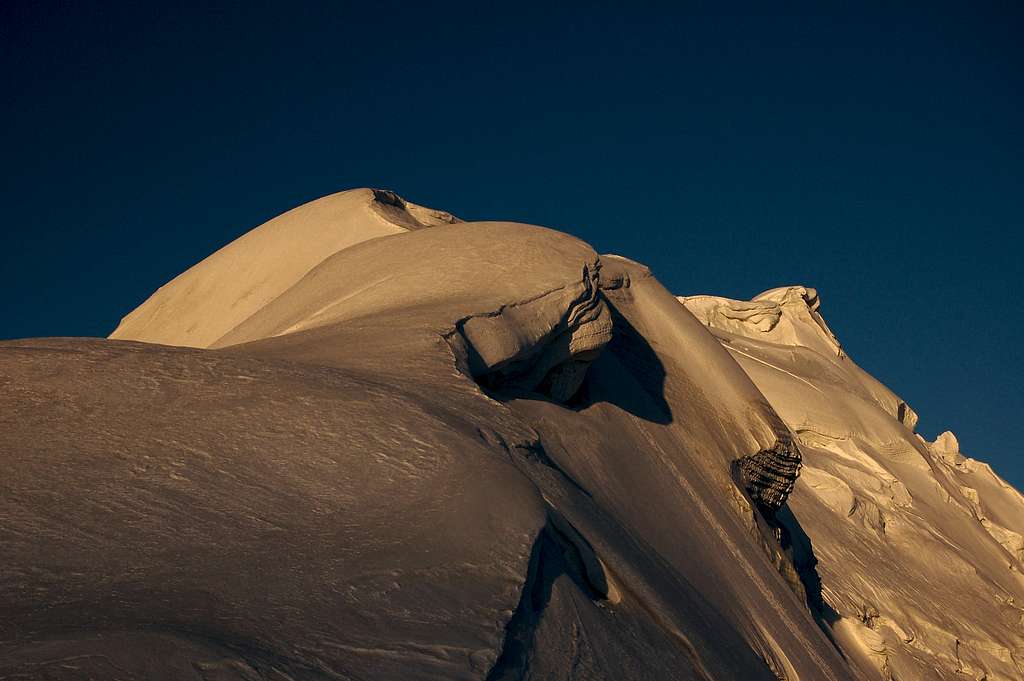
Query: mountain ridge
{"x": 389, "y": 442}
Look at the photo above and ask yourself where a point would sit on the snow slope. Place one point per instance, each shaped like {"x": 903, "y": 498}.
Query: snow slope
{"x": 918, "y": 549}
{"x": 215, "y": 295}
{"x": 394, "y": 445}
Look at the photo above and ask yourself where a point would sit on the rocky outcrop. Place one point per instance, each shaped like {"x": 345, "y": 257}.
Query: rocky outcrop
{"x": 769, "y": 475}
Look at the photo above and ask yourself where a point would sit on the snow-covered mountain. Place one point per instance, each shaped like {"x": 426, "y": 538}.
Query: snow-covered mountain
{"x": 368, "y": 440}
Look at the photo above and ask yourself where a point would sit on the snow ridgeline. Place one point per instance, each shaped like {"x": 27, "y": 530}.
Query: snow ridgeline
{"x": 390, "y": 444}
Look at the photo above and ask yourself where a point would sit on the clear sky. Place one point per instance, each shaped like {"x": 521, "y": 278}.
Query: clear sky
{"x": 877, "y": 155}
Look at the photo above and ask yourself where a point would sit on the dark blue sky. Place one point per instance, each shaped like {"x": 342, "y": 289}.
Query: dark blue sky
{"x": 875, "y": 154}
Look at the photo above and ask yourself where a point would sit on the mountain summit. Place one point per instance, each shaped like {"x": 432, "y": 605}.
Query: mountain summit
{"x": 368, "y": 440}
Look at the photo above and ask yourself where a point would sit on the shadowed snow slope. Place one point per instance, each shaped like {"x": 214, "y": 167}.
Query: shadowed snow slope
{"x": 397, "y": 446}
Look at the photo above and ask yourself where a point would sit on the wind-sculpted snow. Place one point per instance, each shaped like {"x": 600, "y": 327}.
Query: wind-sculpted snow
{"x": 402, "y": 446}
{"x": 518, "y": 304}
{"x": 201, "y": 305}
{"x": 916, "y": 548}
{"x": 785, "y": 316}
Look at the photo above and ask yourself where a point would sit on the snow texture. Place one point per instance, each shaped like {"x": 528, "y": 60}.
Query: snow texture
{"x": 368, "y": 440}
